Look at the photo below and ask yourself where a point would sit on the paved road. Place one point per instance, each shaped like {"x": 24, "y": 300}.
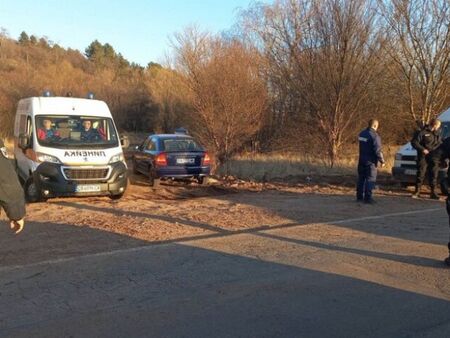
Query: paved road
{"x": 352, "y": 278}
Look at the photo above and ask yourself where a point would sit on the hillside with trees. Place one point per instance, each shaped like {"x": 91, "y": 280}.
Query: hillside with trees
{"x": 291, "y": 76}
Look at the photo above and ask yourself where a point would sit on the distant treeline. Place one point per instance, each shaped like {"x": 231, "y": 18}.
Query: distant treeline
{"x": 300, "y": 76}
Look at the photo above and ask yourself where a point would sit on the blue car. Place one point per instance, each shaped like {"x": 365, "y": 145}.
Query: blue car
{"x": 171, "y": 156}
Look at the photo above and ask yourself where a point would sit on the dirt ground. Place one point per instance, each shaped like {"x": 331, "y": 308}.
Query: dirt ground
{"x": 179, "y": 211}
{"x": 389, "y": 254}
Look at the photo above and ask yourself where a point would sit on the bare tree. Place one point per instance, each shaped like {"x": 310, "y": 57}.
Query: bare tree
{"x": 227, "y": 93}
{"x": 419, "y": 36}
{"x": 325, "y": 53}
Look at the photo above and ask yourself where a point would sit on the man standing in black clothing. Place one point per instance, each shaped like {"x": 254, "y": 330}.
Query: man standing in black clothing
{"x": 447, "y": 204}
{"x": 444, "y": 150}
{"x": 426, "y": 142}
{"x": 12, "y": 198}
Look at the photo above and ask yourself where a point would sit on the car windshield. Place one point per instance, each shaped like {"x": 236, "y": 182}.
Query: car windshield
{"x": 64, "y": 131}
{"x": 179, "y": 144}
{"x": 445, "y": 129}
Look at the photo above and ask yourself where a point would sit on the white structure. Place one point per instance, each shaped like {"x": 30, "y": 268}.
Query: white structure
{"x": 68, "y": 146}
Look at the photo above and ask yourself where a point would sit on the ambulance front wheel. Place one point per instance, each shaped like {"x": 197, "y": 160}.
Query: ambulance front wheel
{"x": 32, "y": 192}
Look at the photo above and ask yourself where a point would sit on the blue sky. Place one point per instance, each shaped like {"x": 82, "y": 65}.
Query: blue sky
{"x": 138, "y": 29}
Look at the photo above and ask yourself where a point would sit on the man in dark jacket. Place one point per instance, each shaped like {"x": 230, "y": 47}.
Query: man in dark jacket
{"x": 12, "y": 198}
{"x": 370, "y": 155}
{"x": 427, "y": 141}
{"x": 447, "y": 204}
{"x": 444, "y": 150}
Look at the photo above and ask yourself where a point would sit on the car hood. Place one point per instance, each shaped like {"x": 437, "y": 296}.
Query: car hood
{"x": 407, "y": 150}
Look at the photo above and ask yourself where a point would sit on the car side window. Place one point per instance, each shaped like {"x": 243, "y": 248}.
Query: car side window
{"x": 145, "y": 144}
{"x": 152, "y": 145}
{"x": 23, "y": 124}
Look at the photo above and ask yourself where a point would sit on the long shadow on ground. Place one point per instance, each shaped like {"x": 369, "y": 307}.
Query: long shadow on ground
{"x": 175, "y": 290}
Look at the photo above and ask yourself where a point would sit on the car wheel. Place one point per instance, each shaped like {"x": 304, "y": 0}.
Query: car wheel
{"x": 32, "y": 193}
{"x": 203, "y": 180}
{"x": 154, "y": 182}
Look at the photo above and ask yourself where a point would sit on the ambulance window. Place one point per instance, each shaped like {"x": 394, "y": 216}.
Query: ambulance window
{"x": 23, "y": 124}
{"x": 29, "y": 126}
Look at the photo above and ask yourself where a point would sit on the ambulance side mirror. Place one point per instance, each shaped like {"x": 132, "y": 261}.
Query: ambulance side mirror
{"x": 24, "y": 141}
{"x": 124, "y": 141}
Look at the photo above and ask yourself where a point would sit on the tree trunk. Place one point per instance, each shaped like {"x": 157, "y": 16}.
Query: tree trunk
{"x": 333, "y": 149}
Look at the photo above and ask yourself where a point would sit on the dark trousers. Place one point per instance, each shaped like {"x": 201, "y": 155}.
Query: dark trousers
{"x": 367, "y": 176}
{"x": 427, "y": 164}
{"x": 447, "y": 204}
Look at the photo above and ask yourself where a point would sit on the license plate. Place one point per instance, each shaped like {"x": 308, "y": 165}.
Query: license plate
{"x": 410, "y": 172}
{"x": 185, "y": 160}
{"x": 88, "y": 188}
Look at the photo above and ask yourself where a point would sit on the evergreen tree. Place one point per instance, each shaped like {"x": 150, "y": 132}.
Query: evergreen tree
{"x": 23, "y": 38}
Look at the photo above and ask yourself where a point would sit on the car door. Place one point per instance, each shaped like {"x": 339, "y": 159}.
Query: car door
{"x": 139, "y": 157}
{"x": 150, "y": 152}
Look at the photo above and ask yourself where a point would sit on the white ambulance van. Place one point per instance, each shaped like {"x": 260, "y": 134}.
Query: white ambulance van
{"x": 405, "y": 168}
{"x": 67, "y": 146}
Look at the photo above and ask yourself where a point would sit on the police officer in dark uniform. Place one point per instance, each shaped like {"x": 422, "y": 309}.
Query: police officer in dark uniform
{"x": 12, "y": 198}
{"x": 427, "y": 142}
{"x": 444, "y": 150}
{"x": 447, "y": 204}
{"x": 370, "y": 155}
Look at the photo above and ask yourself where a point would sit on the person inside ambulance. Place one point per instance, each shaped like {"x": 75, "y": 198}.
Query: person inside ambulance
{"x": 88, "y": 133}
{"x": 47, "y": 132}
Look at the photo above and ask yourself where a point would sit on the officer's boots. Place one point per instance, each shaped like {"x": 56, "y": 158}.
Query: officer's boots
{"x": 447, "y": 206}
{"x": 447, "y": 260}
{"x": 416, "y": 193}
{"x": 433, "y": 194}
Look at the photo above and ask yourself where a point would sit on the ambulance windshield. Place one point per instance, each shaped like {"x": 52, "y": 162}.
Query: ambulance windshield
{"x": 63, "y": 131}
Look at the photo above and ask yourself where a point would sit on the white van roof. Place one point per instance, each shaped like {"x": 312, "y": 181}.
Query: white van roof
{"x": 445, "y": 116}
{"x": 66, "y": 106}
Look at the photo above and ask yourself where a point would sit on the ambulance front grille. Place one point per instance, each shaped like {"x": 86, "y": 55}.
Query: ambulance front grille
{"x": 85, "y": 174}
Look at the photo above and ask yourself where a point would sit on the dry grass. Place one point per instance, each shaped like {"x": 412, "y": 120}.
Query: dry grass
{"x": 135, "y": 138}
{"x": 273, "y": 167}
{"x": 9, "y": 144}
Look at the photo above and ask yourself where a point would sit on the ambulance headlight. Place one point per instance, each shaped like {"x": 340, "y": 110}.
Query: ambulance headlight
{"x": 116, "y": 158}
{"x": 398, "y": 157}
{"x": 41, "y": 157}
